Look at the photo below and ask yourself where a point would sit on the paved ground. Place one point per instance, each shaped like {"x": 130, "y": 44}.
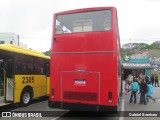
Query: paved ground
{"x": 124, "y": 106}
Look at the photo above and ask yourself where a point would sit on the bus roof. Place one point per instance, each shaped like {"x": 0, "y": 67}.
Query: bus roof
{"x": 84, "y": 10}
{"x": 20, "y": 50}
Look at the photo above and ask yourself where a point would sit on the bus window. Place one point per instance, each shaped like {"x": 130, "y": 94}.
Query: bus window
{"x": 20, "y": 66}
{"x": 84, "y": 21}
{"x": 29, "y": 66}
{"x": 107, "y": 25}
{"x": 82, "y": 25}
{"x": 7, "y": 64}
{"x": 59, "y": 29}
{"x": 38, "y": 66}
{"x": 46, "y": 69}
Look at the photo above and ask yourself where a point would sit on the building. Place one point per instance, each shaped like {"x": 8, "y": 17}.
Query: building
{"x": 11, "y": 38}
{"x": 137, "y": 66}
{"x": 152, "y": 54}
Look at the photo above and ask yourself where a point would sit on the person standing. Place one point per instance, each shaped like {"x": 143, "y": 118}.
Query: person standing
{"x": 141, "y": 76}
{"x": 130, "y": 79}
{"x": 143, "y": 91}
{"x": 139, "y": 84}
{"x": 152, "y": 79}
{"x": 150, "y": 92}
{"x": 147, "y": 79}
{"x": 134, "y": 89}
{"x": 126, "y": 87}
{"x": 156, "y": 80}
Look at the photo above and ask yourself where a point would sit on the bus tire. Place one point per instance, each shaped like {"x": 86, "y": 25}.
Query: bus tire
{"x": 26, "y": 97}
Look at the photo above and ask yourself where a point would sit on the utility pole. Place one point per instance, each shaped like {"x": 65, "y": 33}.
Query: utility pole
{"x": 18, "y": 39}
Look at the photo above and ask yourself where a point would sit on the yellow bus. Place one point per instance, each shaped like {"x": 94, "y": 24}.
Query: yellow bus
{"x": 24, "y": 75}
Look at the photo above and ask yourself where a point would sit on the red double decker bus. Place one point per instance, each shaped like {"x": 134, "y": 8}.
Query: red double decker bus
{"x": 85, "y": 60}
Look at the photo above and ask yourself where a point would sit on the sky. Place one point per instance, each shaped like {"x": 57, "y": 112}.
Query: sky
{"x": 32, "y": 20}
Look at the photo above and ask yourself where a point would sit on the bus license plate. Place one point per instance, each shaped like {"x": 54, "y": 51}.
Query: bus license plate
{"x": 80, "y": 82}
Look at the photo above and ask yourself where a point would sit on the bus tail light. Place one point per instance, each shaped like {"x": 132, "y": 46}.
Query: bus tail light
{"x": 110, "y": 97}
{"x": 52, "y": 93}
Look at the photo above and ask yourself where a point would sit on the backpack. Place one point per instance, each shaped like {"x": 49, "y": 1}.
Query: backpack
{"x": 145, "y": 88}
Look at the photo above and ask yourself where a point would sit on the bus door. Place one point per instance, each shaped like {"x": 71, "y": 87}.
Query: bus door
{"x": 80, "y": 87}
{"x": 2, "y": 85}
{"x": 6, "y": 81}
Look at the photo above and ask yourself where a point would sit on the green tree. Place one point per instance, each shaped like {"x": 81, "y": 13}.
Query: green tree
{"x": 47, "y": 53}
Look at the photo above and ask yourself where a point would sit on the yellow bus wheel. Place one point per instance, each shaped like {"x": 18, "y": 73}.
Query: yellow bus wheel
{"x": 26, "y": 97}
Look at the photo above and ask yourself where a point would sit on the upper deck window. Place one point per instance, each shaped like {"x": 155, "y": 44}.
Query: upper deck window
{"x": 83, "y": 22}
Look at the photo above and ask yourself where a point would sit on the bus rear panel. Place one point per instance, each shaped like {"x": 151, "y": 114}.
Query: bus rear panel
{"x": 85, "y": 60}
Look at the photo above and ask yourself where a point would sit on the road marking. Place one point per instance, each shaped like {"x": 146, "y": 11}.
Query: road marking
{"x": 122, "y": 109}
{"x": 55, "y": 118}
{"x": 59, "y": 116}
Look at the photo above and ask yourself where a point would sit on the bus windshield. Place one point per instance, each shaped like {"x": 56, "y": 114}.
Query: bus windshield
{"x": 83, "y": 22}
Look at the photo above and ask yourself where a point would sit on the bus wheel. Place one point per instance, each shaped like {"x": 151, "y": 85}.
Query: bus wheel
{"x": 25, "y": 97}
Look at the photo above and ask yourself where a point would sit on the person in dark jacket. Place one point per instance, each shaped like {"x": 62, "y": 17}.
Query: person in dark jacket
{"x": 134, "y": 89}
{"x": 143, "y": 91}
{"x": 147, "y": 79}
